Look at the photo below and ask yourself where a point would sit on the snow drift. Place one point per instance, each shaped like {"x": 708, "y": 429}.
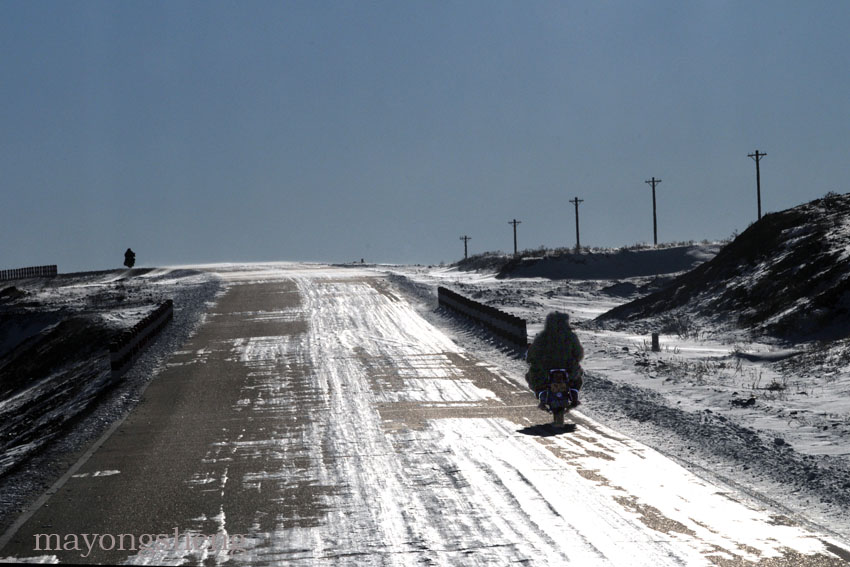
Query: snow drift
{"x": 785, "y": 276}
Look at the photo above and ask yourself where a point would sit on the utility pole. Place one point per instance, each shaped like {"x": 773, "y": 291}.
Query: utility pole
{"x": 654, "y": 182}
{"x": 515, "y": 222}
{"x": 576, "y": 201}
{"x": 465, "y": 240}
{"x": 757, "y": 157}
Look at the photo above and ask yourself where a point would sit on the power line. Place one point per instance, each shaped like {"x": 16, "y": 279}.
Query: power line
{"x": 757, "y": 157}
{"x": 515, "y": 222}
{"x": 465, "y": 240}
{"x": 654, "y": 182}
{"x": 576, "y": 201}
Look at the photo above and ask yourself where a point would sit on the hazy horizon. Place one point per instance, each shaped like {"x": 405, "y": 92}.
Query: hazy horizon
{"x": 203, "y": 132}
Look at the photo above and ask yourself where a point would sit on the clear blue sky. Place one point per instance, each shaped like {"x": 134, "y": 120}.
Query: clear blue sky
{"x": 333, "y": 131}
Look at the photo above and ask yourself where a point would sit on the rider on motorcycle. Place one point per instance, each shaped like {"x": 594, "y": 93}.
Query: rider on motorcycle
{"x": 556, "y": 346}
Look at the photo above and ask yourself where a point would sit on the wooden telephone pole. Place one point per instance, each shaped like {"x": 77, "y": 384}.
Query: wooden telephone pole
{"x": 576, "y": 201}
{"x": 515, "y": 222}
{"x": 654, "y": 182}
{"x": 465, "y": 240}
{"x": 757, "y": 157}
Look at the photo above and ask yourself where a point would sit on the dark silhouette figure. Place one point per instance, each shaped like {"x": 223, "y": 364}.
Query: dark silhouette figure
{"x": 556, "y": 346}
{"x": 129, "y": 258}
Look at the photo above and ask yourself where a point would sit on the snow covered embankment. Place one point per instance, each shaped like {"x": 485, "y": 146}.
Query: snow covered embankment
{"x": 57, "y": 331}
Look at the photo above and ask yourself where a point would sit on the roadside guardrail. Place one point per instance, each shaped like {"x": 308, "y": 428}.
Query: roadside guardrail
{"x": 508, "y": 327}
{"x": 124, "y": 349}
{"x": 31, "y": 272}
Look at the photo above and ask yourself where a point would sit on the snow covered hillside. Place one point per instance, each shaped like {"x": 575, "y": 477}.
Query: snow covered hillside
{"x": 786, "y": 276}
{"x": 54, "y": 337}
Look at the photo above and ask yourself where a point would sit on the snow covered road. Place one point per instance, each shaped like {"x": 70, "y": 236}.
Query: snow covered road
{"x": 317, "y": 419}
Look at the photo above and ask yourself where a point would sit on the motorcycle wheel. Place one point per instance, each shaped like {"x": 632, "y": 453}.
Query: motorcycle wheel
{"x": 558, "y": 416}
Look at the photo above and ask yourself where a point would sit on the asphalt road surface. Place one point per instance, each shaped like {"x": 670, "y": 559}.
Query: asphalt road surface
{"x": 316, "y": 419}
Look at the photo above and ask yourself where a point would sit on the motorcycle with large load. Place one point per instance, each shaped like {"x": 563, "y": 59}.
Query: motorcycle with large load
{"x": 560, "y": 394}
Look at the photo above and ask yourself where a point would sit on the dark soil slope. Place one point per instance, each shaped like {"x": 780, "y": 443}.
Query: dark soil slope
{"x": 785, "y": 276}
{"x": 564, "y": 264}
{"x": 47, "y": 380}
{"x": 610, "y": 265}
